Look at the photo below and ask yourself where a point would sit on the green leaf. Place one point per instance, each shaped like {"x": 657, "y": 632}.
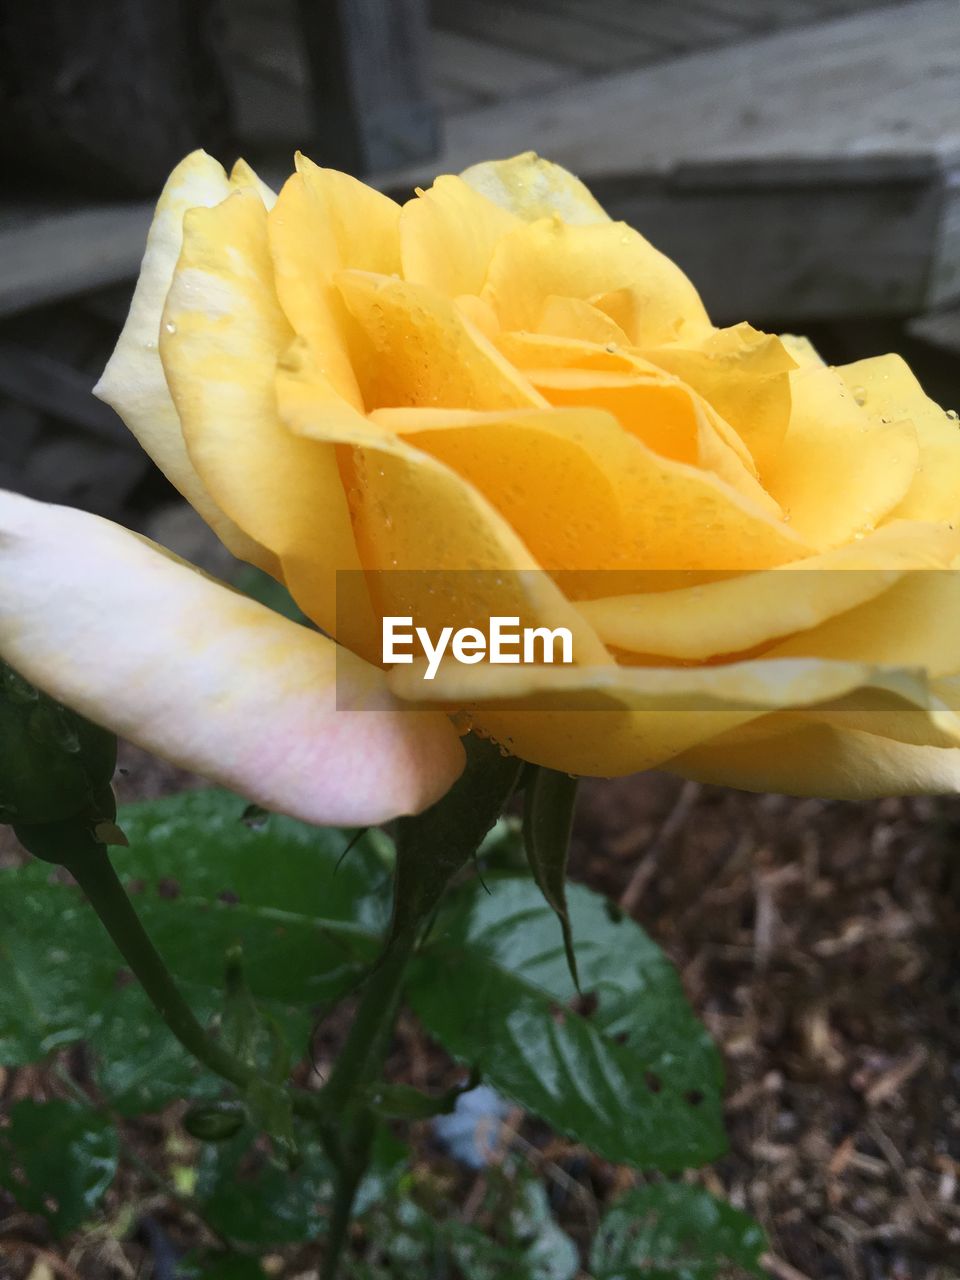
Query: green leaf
{"x": 673, "y": 1231}
{"x": 58, "y": 1160}
{"x": 202, "y": 882}
{"x": 549, "y": 800}
{"x": 229, "y": 1266}
{"x": 405, "y": 1243}
{"x": 267, "y": 591}
{"x": 638, "y": 1080}
{"x": 250, "y": 1198}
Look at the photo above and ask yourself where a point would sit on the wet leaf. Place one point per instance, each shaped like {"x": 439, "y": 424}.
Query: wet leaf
{"x": 673, "y": 1231}
{"x": 57, "y": 1159}
{"x": 202, "y": 882}
{"x": 635, "y": 1077}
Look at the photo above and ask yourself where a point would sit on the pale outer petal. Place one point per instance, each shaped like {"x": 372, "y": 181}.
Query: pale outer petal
{"x": 206, "y": 677}
{"x": 535, "y": 188}
{"x": 133, "y": 382}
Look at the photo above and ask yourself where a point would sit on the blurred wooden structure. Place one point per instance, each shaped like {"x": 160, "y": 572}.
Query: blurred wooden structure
{"x": 824, "y": 159}
{"x": 800, "y": 158}
{"x": 103, "y": 97}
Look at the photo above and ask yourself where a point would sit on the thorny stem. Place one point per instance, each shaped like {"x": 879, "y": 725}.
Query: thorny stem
{"x": 348, "y": 1134}
{"x": 431, "y": 849}
{"x": 95, "y": 874}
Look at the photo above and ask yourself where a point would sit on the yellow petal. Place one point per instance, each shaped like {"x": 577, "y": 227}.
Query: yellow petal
{"x": 888, "y": 392}
{"x": 223, "y": 331}
{"x": 242, "y": 175}
{"x": 553, "y": 351}
{"x": 615, "y": 720}
{"x": 664, "y": 414}
{"x": 133, "y": 381}
{"x": 915, "y": 623}
{"x": 743, "y": 374}
{"x": 810, "y": 759}
{"x": 737, "y": 614}
{"x": 533, "y": 188}
{"x": 551, "y": 257}
{"x": 573, "y": 318}
{"x": 551, "y": 486}
{"x": 324, "y": 222}
{"x": 424, "y": 351}
{"x": 837, "y": 473}
{"x": 432, "y": 545}
{"x": 448, "y": 235}
{"x": 802, "y": 350}
{"x": 669, "y": 515}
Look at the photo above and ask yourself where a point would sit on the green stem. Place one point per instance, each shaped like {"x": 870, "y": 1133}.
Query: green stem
{"x": 348, "y": 1137}
{"x": 353, "y": 1156}
{"x": 93, "y": 871}
{"x": 431, "y": 849}
{"x": 96, "y": 876}
{"x": 360, "y": 1059}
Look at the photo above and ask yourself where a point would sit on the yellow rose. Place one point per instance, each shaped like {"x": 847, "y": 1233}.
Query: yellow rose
{"x": 496, "y": 376}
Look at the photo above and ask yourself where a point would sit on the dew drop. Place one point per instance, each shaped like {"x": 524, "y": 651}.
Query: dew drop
{"x": 953, "y": 415}
{"x": 170, "y": 327}
{"x": 860, "y": 395}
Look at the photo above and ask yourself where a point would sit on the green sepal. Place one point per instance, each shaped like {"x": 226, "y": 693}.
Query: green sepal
{"x": 549, "y": 801}
{"x": 435, "y": 845}
{"x": 82, "y": 835}
{"x": 54, "y": 764}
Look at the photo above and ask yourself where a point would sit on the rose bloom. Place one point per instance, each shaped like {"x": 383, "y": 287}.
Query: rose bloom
{"x": 496, "y": 377}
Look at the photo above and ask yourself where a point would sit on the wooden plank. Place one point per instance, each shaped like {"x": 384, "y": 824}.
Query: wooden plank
{"x": 794, "y": 243}
{"x": 669, "y": 26}
{"x": 486, "y": 71}
{"x": 577, "y": 41}
{"x": 370, "y": 87}
{"x": 41, "y": 382}
{"x": 270, "y": 112}
{"x": 269, "y": 40}
{"x": 944, "y": 283}
{"x": 884, "y": 82}
{"x": 940, "y": 329}
{"x": 70, "y": 252}
{"x": 820, "y": 159}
